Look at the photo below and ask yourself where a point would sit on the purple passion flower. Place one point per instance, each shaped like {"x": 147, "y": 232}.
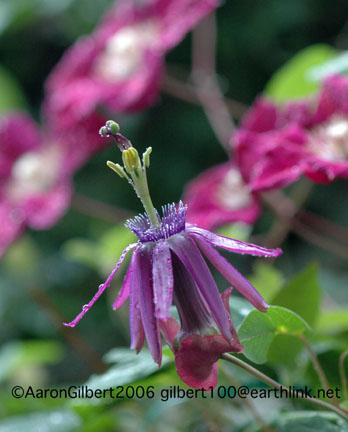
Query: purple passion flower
{"x": 276, "y": 145}
{"x": 169, "y": 266}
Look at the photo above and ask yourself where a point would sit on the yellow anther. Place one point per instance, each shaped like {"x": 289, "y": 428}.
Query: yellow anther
{"x": 131, "y": 159}
{"x": 117, "y": 168}
{"x": 146, "y": 157}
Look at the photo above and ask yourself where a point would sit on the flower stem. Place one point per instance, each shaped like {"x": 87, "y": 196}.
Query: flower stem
{"x": 205, "y": 82}
{"x": 142, "y": 190}
{"x": 316, "y": 364}
{"x": 343, "y": 376}
{"x": 99, "y": 209}
{"x": 248, "y": 403}
{"x": 180, "y": 88}
{"x": 272, "y": 383}
{"x": 73, "y": 338}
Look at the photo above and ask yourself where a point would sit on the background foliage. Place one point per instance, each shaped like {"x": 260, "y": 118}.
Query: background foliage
{"x": 47, "y": 276}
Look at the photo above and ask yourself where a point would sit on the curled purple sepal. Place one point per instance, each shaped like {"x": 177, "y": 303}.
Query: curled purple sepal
{"x": 102, "y": 287}
{"x": 232, "y": 275}
{"x": 233, "y": 245}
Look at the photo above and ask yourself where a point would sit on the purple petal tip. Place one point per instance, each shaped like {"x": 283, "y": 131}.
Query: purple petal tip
{"x": 264, "y": 307}
{"x": 71, "y": 325}
{"x": 278, "y": 252}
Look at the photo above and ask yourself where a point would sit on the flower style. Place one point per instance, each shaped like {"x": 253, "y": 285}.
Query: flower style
{"x": 169, "y": 266}
{"x": 35, "y": 176}
{"x": 276, "y": 145}
{"x": 119, "y": 65}
{"x": 220, "y": 196}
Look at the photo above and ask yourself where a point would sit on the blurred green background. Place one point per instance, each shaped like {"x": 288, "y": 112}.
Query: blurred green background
{"x": 47, "y": 276}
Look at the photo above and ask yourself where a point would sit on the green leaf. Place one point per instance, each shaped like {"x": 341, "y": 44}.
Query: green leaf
{"x": 284, "y": 350}
{"x": 344, "y": 404}
{"x": 11, "y": 96}
{"x": 302, "y": 295}
{"x": 259, "y": 329}
{"x": 82, "y": 251}
{"x": 15, "y": 355}
{"x": 332, "y": 322}
{"x": 239, "y": 309}
{"x": 127, "y": 367}
{"x": 54, "y": 421}
{"x": 25, "y": 255}
{"x": 238, "y": 230}
{"x": 24, "y": 354}
{"x": 337, "y": 65}
{"x": 101, "y": 254}
{"x": 293, "y": 80}
{"x": 111, "y": 245}
{"x": 267, "y": 280}
{"x": 310, "y": 421}
{"x": 15, "y": 14}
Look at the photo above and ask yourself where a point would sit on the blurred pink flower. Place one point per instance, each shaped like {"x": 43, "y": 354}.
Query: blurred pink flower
{"x": 35, "y": 175}
{"x": 276, "y": 145}
{"x": 219, "y": 196}
{"x": 119, "y": 65}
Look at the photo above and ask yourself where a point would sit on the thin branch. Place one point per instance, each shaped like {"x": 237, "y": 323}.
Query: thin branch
{"x": 272, "y": 383}
{"x": 183, "y": 90}
{"x": 343, "y": 376}
{"x": 324, "y": 225}
{"x": 316, "y": 364}
{"x": 319, "y": 240}
{"x": 99, "y": 210}
{"x": 206, "y": 85}
{"x": 285, "y": 209}
{"x": 290, "y": 218}
{"x": 248, "y": 403}
{"x": 72, "y": 336}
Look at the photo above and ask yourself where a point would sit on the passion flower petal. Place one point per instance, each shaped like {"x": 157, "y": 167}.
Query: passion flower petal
{"x": 102, "y": 287}
{"x": 232, "y": 245}
{"x": 141, "y": 283}
{"x": 163, "y": 283}
{"x": 232, "y": 275}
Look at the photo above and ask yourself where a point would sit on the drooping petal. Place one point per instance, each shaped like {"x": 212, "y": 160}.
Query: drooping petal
{"x": 237, "y": 347}
{"x": 232, "y": 275}
{"x": 102, "y": 287}
{"x": 125, "y": 288}
{"x": 196, "y": 359}
{"x": 163, "y": 281}
{"x": 193, "y": 310}
{"x": 141, "y": 282}
{"x": 196, "y": 355}
{"x": 232, "y": 245}
{"x": 135, "y": 324}
{"x": 170, "y": 328}
{"x": 190, "y": 256}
